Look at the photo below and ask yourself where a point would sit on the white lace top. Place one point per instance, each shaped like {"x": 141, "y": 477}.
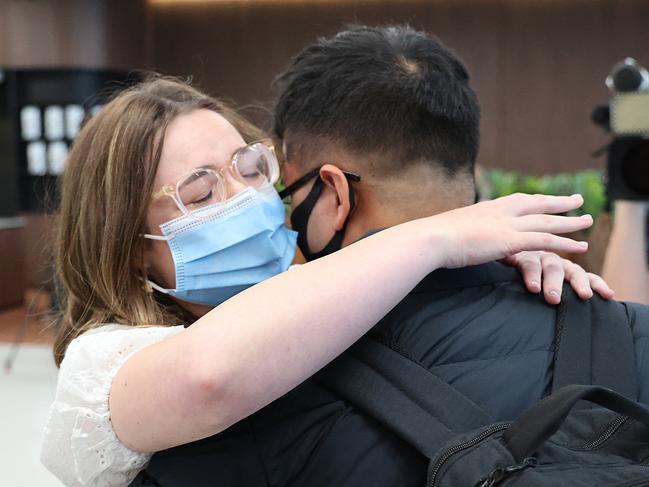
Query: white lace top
{"x": 80, "y": 446}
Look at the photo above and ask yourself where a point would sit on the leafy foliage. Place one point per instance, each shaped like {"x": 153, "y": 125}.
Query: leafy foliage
{"x": 589, "y": 183}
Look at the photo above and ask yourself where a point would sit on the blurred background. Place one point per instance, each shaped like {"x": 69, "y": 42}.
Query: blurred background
{"x": 538, "y": 67}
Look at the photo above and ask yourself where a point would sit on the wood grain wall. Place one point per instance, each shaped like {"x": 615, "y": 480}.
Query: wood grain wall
{"x": 73, "y": 33}
{"x": 538, "y": 65}
{"x": 55, "y": 34}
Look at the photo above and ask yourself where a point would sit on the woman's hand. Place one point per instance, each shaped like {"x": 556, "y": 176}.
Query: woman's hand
{"x": 494, "y": 230}
{"x": 547, "y": 271}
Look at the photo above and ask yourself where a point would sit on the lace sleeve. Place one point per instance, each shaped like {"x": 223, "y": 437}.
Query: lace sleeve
{"x": 80, "y": 446}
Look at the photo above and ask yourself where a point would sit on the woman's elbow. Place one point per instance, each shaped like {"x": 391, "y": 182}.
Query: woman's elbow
{"x": 214, "y": 395}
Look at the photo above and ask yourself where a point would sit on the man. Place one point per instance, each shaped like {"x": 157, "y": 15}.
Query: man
{"x": 380, "y": 126}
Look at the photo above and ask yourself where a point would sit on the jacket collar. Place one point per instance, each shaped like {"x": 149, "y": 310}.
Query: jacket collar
{"x": 473, "y": 276}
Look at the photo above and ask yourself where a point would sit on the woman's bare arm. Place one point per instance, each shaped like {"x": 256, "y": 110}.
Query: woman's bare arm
{"x": 263, "y": 342}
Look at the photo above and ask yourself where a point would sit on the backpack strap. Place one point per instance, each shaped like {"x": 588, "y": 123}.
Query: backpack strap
{"x": 593, "y": 345}
{"x": 405, "y": 397}
{"x": 572, "y": 341}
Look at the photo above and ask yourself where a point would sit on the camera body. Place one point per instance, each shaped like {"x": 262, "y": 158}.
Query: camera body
{"x": 627, "y": 119}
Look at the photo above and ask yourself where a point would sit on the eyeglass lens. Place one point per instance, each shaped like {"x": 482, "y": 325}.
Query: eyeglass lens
{"x": 254, "y": 165}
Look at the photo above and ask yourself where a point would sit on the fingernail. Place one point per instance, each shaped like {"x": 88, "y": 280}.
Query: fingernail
{"x": 587, "y": 217}
{"x": 583, "y": 245}
{"x": 553, "y": 293}
{"x": 535, "y": 285}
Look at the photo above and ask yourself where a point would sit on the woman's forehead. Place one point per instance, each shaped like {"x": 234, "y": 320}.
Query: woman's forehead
{"x": 198, "y": 138}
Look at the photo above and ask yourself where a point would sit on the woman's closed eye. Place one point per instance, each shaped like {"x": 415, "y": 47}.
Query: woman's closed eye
{"x": 202, "y": 199}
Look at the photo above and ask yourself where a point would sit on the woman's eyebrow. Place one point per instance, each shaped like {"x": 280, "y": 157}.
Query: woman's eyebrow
{"x": 228, "y": 161}
{"x": 217, "y": 164}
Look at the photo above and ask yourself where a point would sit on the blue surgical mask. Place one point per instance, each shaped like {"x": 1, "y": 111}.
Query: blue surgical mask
{"x": 230, "y": 246}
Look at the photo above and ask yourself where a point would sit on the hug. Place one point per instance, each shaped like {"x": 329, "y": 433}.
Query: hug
{"x": 193, "y": 353}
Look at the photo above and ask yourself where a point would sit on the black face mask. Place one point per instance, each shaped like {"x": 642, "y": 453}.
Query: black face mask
{"x": 302, "y": 213}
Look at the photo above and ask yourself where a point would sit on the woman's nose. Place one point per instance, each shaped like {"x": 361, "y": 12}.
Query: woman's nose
{"x": 231, "y": 184}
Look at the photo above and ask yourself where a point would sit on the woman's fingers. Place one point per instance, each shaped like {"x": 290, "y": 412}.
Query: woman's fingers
{"x": 578, "y": 279}
{"x": 527, "y": 204}
{"x": 600, "y": 286}
{"x": 547, "y": 271}
{"x": 496, "y": 229}
{"x": 583, "y": 283}
{"x": 552, "y": 223}
{"x": 586, "y": 283}
{"x": 553, "y": 276}
{"x": 547, "y": 242}
{"x": 529, "y": 265}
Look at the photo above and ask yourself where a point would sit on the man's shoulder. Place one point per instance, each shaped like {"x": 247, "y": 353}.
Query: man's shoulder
{"x": 490, "y": 274}
{"x": 616, "y": 313}
{"x": 462, "y": 321}
{"x": 486, "y": 296}
{"x": 638, "y": 315}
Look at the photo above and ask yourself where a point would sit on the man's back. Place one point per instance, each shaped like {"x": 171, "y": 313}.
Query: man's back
{"x": 476, "y": 328}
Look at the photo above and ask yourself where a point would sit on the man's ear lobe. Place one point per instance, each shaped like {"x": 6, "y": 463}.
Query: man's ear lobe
{"x": 336, "y": 181}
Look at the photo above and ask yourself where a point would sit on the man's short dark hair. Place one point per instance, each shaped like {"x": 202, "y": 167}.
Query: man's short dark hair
{"x": 391, "y": 91}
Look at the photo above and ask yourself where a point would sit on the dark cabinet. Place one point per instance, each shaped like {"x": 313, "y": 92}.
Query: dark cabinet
{"x": 41, "y": 111}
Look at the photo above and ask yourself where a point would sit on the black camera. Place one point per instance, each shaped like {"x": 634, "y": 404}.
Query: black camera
{"x": 626, "y": 117}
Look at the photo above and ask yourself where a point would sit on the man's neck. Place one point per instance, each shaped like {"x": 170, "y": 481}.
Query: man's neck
{"x": 418, "y": 191}
{"x": 369, "y": 219}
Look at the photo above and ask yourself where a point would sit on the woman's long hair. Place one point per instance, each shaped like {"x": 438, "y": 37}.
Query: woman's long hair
{"x": 105, "y": 193}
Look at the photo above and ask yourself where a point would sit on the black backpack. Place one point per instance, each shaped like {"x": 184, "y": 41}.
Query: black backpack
{"x": 558, "y": 442}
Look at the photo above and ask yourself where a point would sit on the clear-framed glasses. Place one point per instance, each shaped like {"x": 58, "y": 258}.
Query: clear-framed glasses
{"x": 254, "y": 165}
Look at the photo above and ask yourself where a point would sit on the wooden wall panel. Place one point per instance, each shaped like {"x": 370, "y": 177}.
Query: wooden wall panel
{"x": 72, "y": 33}
{"x": 538, "y": 66}
{"x": 237, "y": 50}
{"x": 557, "y": 55}
{"x": 54, "y": 34}
{"x": 12, "y": 275}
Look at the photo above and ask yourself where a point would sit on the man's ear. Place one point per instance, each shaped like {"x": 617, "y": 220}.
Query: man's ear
{"x": 335, "y": 180}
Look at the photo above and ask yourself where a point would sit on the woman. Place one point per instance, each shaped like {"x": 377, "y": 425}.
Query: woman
{"x": 165, "y": 214}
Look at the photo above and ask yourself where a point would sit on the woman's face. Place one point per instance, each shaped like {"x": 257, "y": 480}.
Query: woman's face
{"x": 201, "y": 138}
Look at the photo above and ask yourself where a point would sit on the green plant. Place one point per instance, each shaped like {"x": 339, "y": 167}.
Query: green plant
{"x": 588, "y": 183}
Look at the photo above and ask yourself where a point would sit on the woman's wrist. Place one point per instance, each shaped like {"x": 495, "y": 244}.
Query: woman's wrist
{"x": 432, "y": 243}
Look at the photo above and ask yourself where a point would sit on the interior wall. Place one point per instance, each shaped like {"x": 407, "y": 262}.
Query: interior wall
{"x": 59, "y": 34}
{"x": 72, "y": 33}
{"x": 538, "y": 66}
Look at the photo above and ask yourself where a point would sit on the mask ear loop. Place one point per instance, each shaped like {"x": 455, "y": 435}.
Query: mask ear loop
{"x": 149, "y": 285}
{"x": 154, "y": 237}
{"x": 300, "y": 219}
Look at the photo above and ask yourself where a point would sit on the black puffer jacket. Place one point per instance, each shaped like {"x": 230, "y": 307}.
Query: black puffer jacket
{"x": 476, "y": 328}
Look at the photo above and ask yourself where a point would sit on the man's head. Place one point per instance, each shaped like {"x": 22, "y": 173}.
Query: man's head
{"x": 389, "y": 104}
